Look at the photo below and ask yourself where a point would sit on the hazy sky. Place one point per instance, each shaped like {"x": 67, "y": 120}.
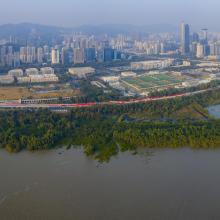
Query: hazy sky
{"x": 77, "y": 12}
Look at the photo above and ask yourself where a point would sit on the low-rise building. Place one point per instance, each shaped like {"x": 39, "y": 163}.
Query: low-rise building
{"x": 44, "y": 78}
{"x": 208, "y": 64}
{"x": 16, "y": 72}
{"x": 81, "y": 71}
{"x": 31, "y": 71}
{"x": 7, "y": 79}
{"x": 186, "y": 63}
{"x": 110, "y": 79}
{"x": 152, "y": 64}
{"x": 24, "y": 79}
{"x": 128, "y": 74}
{"x": 47, "y": 70}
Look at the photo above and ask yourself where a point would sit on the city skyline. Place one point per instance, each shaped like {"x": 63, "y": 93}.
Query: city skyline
{"x": 70, "y": 14}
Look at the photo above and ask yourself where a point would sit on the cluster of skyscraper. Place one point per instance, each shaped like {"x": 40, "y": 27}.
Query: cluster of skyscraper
{"x": 67, "y": 55}
{"x": 76, "y": 50}
{"x": 197, "y": 44}
{"x": 15, "y": 55}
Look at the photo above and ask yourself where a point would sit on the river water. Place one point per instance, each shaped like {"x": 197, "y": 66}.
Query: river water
{"x": 159, "y": 184}
{"x": 214, "y": 111}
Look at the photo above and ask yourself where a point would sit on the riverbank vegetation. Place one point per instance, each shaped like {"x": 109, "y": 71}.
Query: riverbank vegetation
{"x": 103, "y": 131}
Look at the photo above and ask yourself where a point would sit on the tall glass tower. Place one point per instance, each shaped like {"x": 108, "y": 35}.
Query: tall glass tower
{"x": 184, "y": 38}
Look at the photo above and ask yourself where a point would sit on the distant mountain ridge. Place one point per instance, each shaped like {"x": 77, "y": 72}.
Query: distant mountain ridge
{"x": 24, "y": 29}
{"x": 125, "y": 28}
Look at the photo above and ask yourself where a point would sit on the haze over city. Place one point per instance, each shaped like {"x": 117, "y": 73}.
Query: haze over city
{"x": 109, "y": 109}
{"x": 141, "y": 12}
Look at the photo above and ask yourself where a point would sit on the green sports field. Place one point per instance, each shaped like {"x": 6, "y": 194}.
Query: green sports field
{"x": 150, "y": 82}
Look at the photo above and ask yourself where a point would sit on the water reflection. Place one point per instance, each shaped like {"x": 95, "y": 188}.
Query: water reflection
{"x": 214, "y": 111}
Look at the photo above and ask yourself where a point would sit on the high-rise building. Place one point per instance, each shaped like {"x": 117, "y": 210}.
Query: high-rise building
{"x": 90, "y": 54}
{"x": 9, "y": 56}
{"x": 16, "y": 59}
{"x": 117, "y": 55}
{"x": 206, "y": 49}
{"x": 195, "y": 37}
{"x": 31, "y": 55}
{"x": 212, "y": 49}
{"x": 78, "y": 56}
{"x": 184, "y": 38}
{"x": 100, "y": 55}
{"x": 108, "y": 54}
{"x": 215, "y": 49}
{"x": 193, "y": 48}
{"x": 55, "y": 56}
{"x": 204, "y": 36}
{"x": 3, "y": 53}
{"x": 66, "y": 55}
{"x": 83, "y": 43}
{"x": 40, "y": 55}
{"x": 23, "y": 54}
{"x": 200, "y": 51}
{"x": 46, "y": 51}
{"x": 63, "y": 56}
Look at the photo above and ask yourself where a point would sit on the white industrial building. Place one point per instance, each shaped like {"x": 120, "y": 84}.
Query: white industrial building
{"x": 44, "y": 78}
{"x": 24, "y": 79}
{"x": 40, "y": 78}
{"x": 6, "y": 79}
{"x": 128, "y": 74}
{"x": 16, "y": 72}
{"x": 31, "y": 71}
{"x": 47, "y": 70}
{"x": 152, "y": 64}
{"x": 32, "y": 75}
{"x": 81, "y": 71}
{"x": 110, "y": 79}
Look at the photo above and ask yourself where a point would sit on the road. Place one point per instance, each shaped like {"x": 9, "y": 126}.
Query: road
{"x": 17, "y": 105}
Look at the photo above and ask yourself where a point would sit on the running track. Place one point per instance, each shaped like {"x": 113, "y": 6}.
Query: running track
{"x": 18, "y": 105}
